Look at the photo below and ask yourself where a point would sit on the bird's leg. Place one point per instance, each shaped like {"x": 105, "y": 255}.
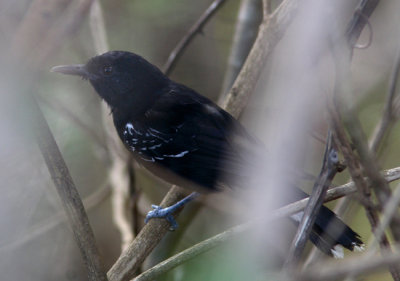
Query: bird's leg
{"x": 167, "y": 212}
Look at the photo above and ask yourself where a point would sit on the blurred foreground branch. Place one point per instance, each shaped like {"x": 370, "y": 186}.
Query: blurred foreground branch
{"x": 69, "y": 195}
{"x": 346, "y": 123}
{"x": 35, "y": 39}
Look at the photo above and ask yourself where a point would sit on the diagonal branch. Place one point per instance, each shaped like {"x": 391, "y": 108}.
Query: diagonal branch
{"x": 389, "y": 116}
{"x": 69, "y": 195}
{"x": 269, "y": 34}
{"x": 328, "y": 172}
{"x": 196, "y": 28}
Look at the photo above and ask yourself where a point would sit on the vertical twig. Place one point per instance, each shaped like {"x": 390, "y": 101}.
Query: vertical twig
{"x": 328, "y": 172}
{"x": 248, "y": 21}
{"x": 387, "y": 215}
{"x": 69, "y": 195}
{"x": 31, "y": 33}
{"x": 389, "y": 116}
{"x": 269, "y": 34}
{"x": 120, "y": 158}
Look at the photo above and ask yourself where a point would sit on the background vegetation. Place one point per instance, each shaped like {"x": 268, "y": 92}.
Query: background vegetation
{"x": 35, "y": 238}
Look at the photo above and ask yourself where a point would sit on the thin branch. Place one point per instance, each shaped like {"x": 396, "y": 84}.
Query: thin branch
{"x": 270, "y": 32}
{"x": 389, "y": 117}
{"x": 98, "y": 28}
{"x": 147, "y": 239}
{"x": 360, "y": 17}
{"x": 387, "y": 216}
{"x": 69, "y": 195}
{"x": 206, "y": 245}
{"x": 328, "y": 172}
{"x": 248, "y": 20}
{"x": 120, "y": 179}
{"x": 266, "y": 8}
{"x": 196, "y": 28}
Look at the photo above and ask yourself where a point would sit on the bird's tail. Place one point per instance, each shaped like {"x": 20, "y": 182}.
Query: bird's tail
{"x": 330, "y": 234}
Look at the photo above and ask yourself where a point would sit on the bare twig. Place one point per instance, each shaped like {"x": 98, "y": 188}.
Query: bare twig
{"x": 69, "y": 195}
{"x": 387, "y": 216}
{"x": 23, "y": 55}
{"x": 266, "y": 7}
{"x": 217, "y": 240}
{"x": 248, "y": 21}
{"x": 147, "y": 239}
{"x": 328, "y": 172}
{"x": 389, "y": 117}
{"x": 270, "y": 32}
{"x": 120, "y": 159}
{"x": 361, "y": 14}
{"x": 98, "y": 27}
{"x": 196, "y": 28}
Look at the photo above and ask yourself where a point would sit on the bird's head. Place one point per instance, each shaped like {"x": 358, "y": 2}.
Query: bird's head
{"x": 121, "y": 78}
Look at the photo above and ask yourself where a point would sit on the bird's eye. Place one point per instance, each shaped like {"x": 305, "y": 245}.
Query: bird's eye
{"x": 107, "y": 70}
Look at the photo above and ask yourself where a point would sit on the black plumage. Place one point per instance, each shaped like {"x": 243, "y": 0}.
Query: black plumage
{"x": 179, "y": 135}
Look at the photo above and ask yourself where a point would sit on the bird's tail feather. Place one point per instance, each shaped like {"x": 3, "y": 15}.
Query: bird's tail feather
{"x": 330, "y": 232}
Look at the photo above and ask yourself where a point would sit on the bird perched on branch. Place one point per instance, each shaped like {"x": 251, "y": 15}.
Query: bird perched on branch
{"x": 183, "y": 137}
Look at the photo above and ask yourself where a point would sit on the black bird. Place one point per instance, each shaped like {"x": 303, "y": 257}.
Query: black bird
{"x": 183, "y": 137}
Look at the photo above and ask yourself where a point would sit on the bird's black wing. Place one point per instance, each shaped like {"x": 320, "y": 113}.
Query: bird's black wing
{"x": 190, "y": 136}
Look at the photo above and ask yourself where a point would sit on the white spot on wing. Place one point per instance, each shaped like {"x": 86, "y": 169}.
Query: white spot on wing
{"x": 155, "y": 146}
{"x": 129, "y": 128}
{"x": 178, "y": 155}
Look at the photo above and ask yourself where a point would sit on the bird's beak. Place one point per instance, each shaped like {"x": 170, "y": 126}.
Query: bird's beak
{"x": 73, "y": 69}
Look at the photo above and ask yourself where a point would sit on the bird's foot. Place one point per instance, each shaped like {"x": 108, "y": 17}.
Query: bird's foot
{"x": 166, "y": 213}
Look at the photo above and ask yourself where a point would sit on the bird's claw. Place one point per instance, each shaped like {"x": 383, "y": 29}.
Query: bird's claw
{"x": 159, "y": 212}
